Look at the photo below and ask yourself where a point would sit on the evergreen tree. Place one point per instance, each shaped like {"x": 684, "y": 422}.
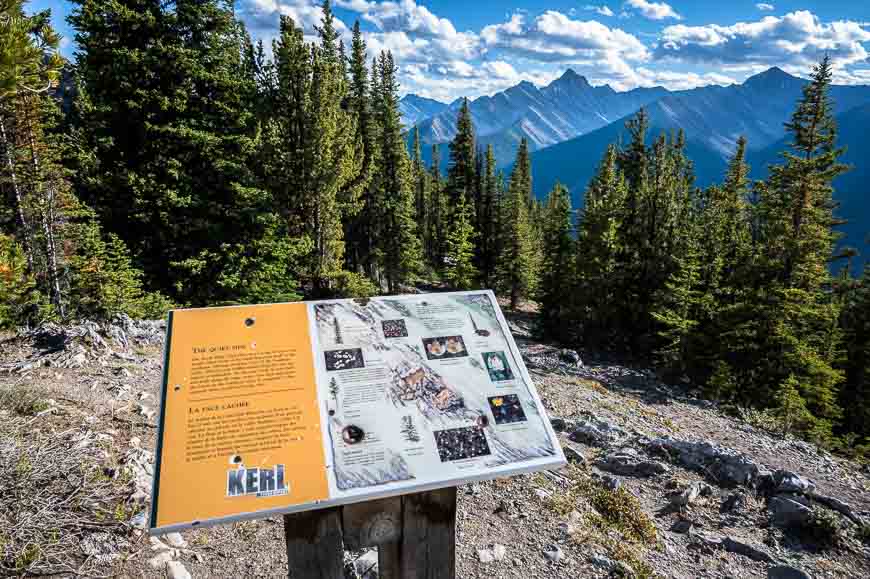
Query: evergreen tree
{"x": 489, "y": 218}
{"x": 557, "y": 271}
{"x": 359, "y": 224}
{"x": 461, "y": 176}
{"x": 793, "y": 315}
{"x": 516, "y": 267}
{"x": 438, "y": 212}
{"x": 855, "y": 396}
{"x": 596, "y": 307}
{"x": 459, "y": 270}
{"x": 421, "y": 194}
{"x": 33, "y": 180}
{"x": 399, "y": 244}
{"x": 20, "y": 300}
{"x": 164, "y": 131}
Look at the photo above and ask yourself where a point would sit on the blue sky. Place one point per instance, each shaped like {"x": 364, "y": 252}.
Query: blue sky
{"x": 446, "y": 49}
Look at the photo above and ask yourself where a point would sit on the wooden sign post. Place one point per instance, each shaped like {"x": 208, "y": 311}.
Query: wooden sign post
{"x": 414, "y": 534}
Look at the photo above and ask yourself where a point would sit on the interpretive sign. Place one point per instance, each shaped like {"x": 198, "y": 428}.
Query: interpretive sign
{"x": 289, "y": 407}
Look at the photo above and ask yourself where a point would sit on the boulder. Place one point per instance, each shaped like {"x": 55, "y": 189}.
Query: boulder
{"x": 724, "y": 465}
{"x": 597, "y": 432}
{"x": 732, "y": 545}
{"x": 627, "y": 462}
{"x": 570, "y": 357}
{"x": 788, "y": 511}
{"x": 788, "y": 482}
{"x": 786, "y": 572}
{"x": 573, "y": 455}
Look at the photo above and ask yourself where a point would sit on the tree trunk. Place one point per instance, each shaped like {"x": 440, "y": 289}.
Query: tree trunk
{"x": 19, "y": 206}
{"x": 47, "y": 216}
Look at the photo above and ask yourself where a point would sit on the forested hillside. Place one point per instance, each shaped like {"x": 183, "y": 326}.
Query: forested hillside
{"x": 194, "y": 167}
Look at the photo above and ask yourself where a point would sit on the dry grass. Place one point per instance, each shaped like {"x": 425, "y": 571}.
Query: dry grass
{"x": 61, "y": 490}
{"x": 608, "y": 511}
{"x": 593, "y": 385}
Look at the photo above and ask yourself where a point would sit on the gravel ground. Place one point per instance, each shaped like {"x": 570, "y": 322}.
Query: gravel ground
{"x": 540, "y": 525}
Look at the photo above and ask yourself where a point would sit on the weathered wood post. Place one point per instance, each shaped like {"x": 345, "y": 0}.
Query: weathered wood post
{"x": 415, "y": 536}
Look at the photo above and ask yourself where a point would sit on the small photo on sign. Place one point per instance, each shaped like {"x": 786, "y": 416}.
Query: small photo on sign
{"x": 394, "y": 329}
{"x": 445, "y": 347}
{"x": 506, "y": 409}
{"x": 459, "y": 443}
{"x": 344, "y": 359}
{"x": 497, "y": 366}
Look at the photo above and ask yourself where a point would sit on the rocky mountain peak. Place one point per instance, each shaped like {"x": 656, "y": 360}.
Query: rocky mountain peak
{"x": 772, "y": 78}
{"x": 570, "y": 77}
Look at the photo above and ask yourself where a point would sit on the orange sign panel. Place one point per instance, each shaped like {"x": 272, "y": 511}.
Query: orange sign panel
{"x": 240, "y": 424}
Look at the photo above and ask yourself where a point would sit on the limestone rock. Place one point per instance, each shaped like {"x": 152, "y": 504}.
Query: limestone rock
{"x": 786, "y": 572}
{"x": 597, "y": 432}
{"x": 756, "y": 554}
{"x": 554, "y": 553}
{"x": 788, "y": 512}
{"x": 723, "y": 464}
{"x": 626, "y": 462}
{"x": 366, "y": 566}
{"x": 177, "y": 570}
{"x": 573, "y": 455}
{"x": 496, "y": 553}
{"x": 789, "y": 482}
{"x": 160, "y": 560}
{"x": 176, "y": 540}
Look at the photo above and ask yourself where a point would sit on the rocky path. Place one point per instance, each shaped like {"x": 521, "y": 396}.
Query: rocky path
{"x": 660, "y": 484}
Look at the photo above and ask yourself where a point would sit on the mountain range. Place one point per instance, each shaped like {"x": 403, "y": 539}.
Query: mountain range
{"x": 566, "y": 108}
{"x": 569, "y": 124}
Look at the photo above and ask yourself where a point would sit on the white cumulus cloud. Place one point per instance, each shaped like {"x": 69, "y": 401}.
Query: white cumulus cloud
{"x": 798, "y": 39}
{"x": 653, "y": 10}
{"x": 555, "y": 37}
{"x": 603, "y": 10}
{"x": 764, "y": 7}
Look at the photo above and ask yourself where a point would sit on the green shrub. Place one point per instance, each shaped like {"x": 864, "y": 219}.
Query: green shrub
{"x": 20, "y": 301}
{"x": 22, "y": 400}
{"x": 350, "y": 284}
{"x": 103, "y": 281}
{"x": 622, "y": 510}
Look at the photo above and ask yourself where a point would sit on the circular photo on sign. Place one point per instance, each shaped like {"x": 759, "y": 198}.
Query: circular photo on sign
{"x": 352, "y": 434}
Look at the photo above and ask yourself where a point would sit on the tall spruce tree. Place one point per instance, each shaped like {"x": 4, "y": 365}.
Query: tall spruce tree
{"x": 178, "y": 187}
{"x": 855, "y": 395}
{"x": 438, "y": 212}
{"x": 422, "y": 203}
{"x": 557, "y": 271}
{"x": 461, "y": 176}
{"x": 399, "y": 244}
{"x": 793, "y": 314}
{"x": 596, "y": 309}
{"x": 359, "y": 236}
{"x": 516, "y": 267}
{"x": 488, "y": 227}
{"x": 459, "y": 270}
